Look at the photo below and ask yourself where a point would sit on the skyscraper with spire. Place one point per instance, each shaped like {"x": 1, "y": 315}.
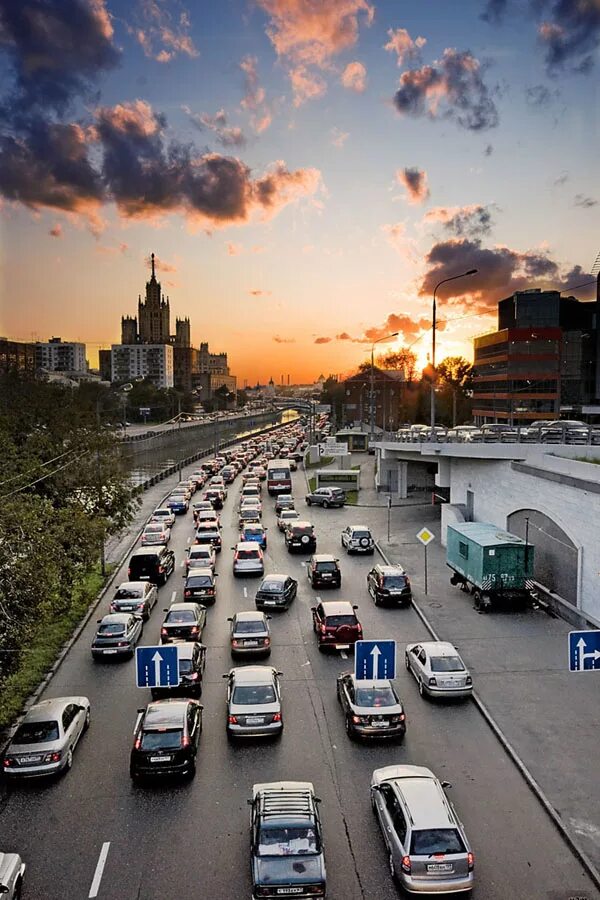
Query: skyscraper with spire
{"x": 154, "y": 314}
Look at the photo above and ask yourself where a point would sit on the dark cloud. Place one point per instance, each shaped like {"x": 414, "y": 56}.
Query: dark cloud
{"x": 414, "y": 180}
{"x": 463, "y": 221}
{"x": 451, "y": 88}
{"x": 322, "y": 340}
{"x": 539, "y": 96}
{"x": 280, "y": 340}
{"x": 494, "y": 11}
{"x": 562, "y": 178}
{"x": 57, "y": 50}
{"x": 585, "y": 202}
{"x": 488, "y": 150}
{"x": 571, "y": 33}
{"x": 227, "y": 135}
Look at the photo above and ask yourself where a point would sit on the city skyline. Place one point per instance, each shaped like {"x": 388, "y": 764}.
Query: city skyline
{"x": 304, "y": 173}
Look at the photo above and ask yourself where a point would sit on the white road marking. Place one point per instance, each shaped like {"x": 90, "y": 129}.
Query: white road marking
{"x": 307, "y": 663}
{"x": 181, "y": 564}
{"x": 318, "y": 599}
{"x": 343, "y": 654}
{"x": 245, "y": 592}
{"x": 189, "y": 540}
{"x": 173, "y": 596}
{"x": 99, "y": 870}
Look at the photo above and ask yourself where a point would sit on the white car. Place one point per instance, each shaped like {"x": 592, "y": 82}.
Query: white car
{"x": 438, "y": 669}
{"x": 12, "y": 870}
{"x": 285, "y": 517}
{"x": 163, "y": 514}
{"x": 358, "y": 539}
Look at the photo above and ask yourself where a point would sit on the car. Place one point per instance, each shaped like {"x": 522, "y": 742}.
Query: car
{"x": 323, "y": 570}
{"x": 249, "y": 515}
{"x": 163, "y": 514}
{"x": 253, "y": 702}
{"x": 166, "y": 738}
{"x": 248, "y": 559}
{"x": 389, "y": 585}
{"x": 336, "y": 625}
{"x": 228, "y": 473}
{"x": 202, "y": 506}
{"x": 183, "y": 622}
{"x": 12, "y": 872}
{"x": 250, "y": 634}
{"x": 178, "y": 504}
{"x": 209, "y": 533}
{"x": 186, "y": 487}
{"x": 276, "y": 592}
{"x": 286, "y": 516}
{"x": 254, "y": 532}
{"x": 201, "y": 586}
{"x": 425, "y": 840}
{"x": 156, "y": 533}
{"x": 215, "y": 496}
{"x": 251, "y": 501}
{"x": 135, "y": 597}
{"x": 438, "y": 669}
{"x": 208, "y": 517}
{"x": 191, "y": 658}
{"x": 300, "y": 536}
{"x": 293, "y": 464}
{"x": 372, "y": 709}
{"x": 284, "y": 501}
{"x": 286, "y": 841}
{"x": 155, "y": 565}
{"x": 326, "y": 497}
{"x": 199, "y": 478}
{"x": 358, "y": 539}
{"x": 117, "y": 635}
{"x": 218, "y": 482}
{"x": 46, "y": 739}
{"x": 200, "y": 556}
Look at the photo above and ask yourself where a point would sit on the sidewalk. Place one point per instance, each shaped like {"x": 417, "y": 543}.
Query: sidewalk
{"x": 550, "y": 716}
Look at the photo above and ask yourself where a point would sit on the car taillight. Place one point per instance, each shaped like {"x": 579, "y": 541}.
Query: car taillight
{"x": 52, "y": 757}
{"x": 277, "y": 717}
{"x": 232, "y": 720}
{"x": 7, "y": 762}
{"x": 164, "y": 631}
{"x": 161, "y": 569}
{"x": 360, "y": 720}
{"x": 267, "y": 641}
{"x": 470, "y": 861}
{"x": 193, "y": 676}
{"x": 405, "y": 864}
{"x": 140, "y": 605}
{"x": 122, "y": 644}
{"x": 433, "y": 682}
{"x": 129, "y": 571}
{"x": 469, "y": 679}
{"x": 235, "y": 643}
{"x": 185, "y": 741}
{"x": 187, "y": 593}
{"x": 400, "y": 718}
{"x": 194, "y": 630}
{"x": 138, "y": 743}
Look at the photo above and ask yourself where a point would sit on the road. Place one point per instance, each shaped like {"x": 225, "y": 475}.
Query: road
{"x": 191, "y": 840}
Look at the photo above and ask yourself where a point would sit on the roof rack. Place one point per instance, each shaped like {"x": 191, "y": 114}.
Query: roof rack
{"x": 281, "y": 803}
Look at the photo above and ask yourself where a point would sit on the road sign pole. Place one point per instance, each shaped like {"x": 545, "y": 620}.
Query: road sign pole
{"x": 425, "y": 549}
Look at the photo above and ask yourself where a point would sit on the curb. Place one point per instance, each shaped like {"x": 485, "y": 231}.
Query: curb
{"x": 531, "y": 782}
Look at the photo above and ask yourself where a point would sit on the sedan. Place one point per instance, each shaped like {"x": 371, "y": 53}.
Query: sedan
{"x": 250, "y": 634}
{"x": 201, "y": 586}
{"x": 117, "y": 635}
{"x": 438, "y": 669}
{"x": 286, "y": 517}
{"x": 253, "y": 702}
{"x": 254, "y": 532}
{"x": 163, "y": 514}
{"x": 166, "y": 738}
{"x": 44, "y": 742}
{"x": 276, "y": 592}
{"x": 201, "y": 556}
{"x": 135, "y": 597}
{"x": 156, "y": 533}
{"x": 284, "y": 501}
{"x": 372, "y": 709}
{"x": 191, "y": 657}
{"x": 248, "y": 515}
{"x": 183, "y": 622}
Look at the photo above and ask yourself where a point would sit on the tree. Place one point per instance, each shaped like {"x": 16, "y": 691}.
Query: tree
{"x": 455, "y": 377}
{"x": 402, "y": 360}
{"x": 457, "y": 372}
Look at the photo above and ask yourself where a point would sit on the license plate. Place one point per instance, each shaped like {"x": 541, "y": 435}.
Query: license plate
{"x": 30, "y": 759}
{"x": 109, "y": 651}
{"x": 290, "y": 890}
{"x": 269, "y": 602}
{"x": 325, "y": 577}
{"x": 440, "y": 867}
{"x": 250, "y": 643}
{"x": 255, "y": 720}
{"x": 382, "y": 723}
{"x": 342, "y": 646}
{"x": 160, "y": 759}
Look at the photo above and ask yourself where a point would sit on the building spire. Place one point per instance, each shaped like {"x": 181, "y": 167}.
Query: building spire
{"x": 152, "y": 258}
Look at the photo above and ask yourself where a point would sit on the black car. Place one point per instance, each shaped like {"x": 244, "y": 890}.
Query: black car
{"x": 326, "y": 497}
{"x": 208, "y": 533}
{"x": 372, "y": 709}
{"x": 153, "y": 564}
{"x": 117, "y": 635}
{"x": 192, "y": 662}
{"x": 215, "y": 496}
{"x": 276, "y": 592}
{"x": 166, "y": 738}
{"x": 183, "y": 622}
{"x": 300, "y": 536}
{"x": 201, "y": 586}
{"x": 389, "y": 585}
{"x": 323, "y": 570}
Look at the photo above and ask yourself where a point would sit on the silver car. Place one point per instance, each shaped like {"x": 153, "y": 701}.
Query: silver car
{"x": 253, "y": 702}
{"x": 285, "y": 517}
{"x": 372, "y": 709}
{"x": 137, "y": 597}
{"x": 426, "y": 842}
{"x": 44, "y": 742}
{"x": 439, "y": 670}
{"x": 248, "y": 559}
{"x": 163, "y": 514}
{"x": 12, "y": 870}
{"x": 156, "y": 533}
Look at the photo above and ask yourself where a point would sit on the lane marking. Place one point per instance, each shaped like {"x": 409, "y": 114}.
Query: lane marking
{"x": 181, "y": 564}
{"x": 245, "y": 592}
{"x": 99, "y": 870}
{"x": 173, "y": 596}
{"x": 343, "y": 654}
{"x": 189, "y": 540}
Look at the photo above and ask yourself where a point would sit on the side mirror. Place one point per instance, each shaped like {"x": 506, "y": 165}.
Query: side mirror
{"x": 165, "y": 609}
{"x": 313, "y": 609}
{"x": 230, "y": 618}
{"x": 354, "y": 606}
{"x": 268, "y": 617}
{"x": 216, "y": 574}
{"x": 446, "y": 784}
{"x": 225, "y": 675}
{"x": 279, "y": 673}
{"x": 141, "y": 709}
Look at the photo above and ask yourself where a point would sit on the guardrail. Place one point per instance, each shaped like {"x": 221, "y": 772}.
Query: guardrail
{"x": 591, "y": 439}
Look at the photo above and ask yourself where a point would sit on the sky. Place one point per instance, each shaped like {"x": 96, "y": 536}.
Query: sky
{"x": 306, "y": 171}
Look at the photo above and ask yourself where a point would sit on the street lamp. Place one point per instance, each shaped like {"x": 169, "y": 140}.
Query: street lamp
{"x": 386, "y": 337}
{"x": 434, "y": 322}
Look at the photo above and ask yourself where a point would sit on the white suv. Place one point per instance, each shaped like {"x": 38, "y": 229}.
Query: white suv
{"x": 358, "y": 539}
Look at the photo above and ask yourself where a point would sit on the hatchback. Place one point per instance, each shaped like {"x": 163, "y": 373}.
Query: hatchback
{"x": 117, "y": 635}
{"x": 253, "y": 702}
{"x": 276, "y": 592}
{"x": 201, "y": 586}
{"x": 191, "y": 657}
{"x": 135, "y": 597}
{"x": 248, "y": 559}
{"x": 323, "y": 570}
{"x": 389, "y": 585}
{"x": 438, "y": 669}
{"x": 166, "y": 738}
{"x": 254, "y": 532}
{"x": 284, "y": 501}
{"x": 183, "y": 622}
{"x": 44, "y": 742}
{"x": 336, "y": 625}
{"x": 372, "y": 709}
{"x": 250, "y": 634}
{"x": 426, "y": 842}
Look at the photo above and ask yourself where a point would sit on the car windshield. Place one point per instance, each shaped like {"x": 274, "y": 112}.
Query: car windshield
{"x": 394, "y": 581}
{"x": 36, "y": 733}
{"x": 248, "y": 554}
{"x": 162, "y": 740}
{"x": 326, "y": 566}
{"x": 180, "y": 617}
{"x": 253, "y": 627}
{"x": 297, "y": 532}
{"x": 446, "y": 664}
{"x": 375, "y": 696}
{"x": 290, "y": 514}
{"x": 199, "y": 581}
{"x": 205, "y": 529}
{"x": 287, "y": 841}
{"x": 337, "y": 621}
{"x": 281, "y": 474}
{"x": 161, "y": 513}
{"x": 154, "y": 527}
{"x": 430, "y": 841}
{"x": 112, "y": 628}
{"x": 129, "y": 594}
{"x": 272, "y": 587}
{"x": 361, "y": 534}
{"x": 253, "y": 695}
{"x": 253, "y": 532}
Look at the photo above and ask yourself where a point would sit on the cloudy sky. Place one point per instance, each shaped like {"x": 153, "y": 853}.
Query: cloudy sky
{"x": 305, "y": 170}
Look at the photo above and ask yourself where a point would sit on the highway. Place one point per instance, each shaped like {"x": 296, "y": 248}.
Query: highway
{"x": 190, "y": 840}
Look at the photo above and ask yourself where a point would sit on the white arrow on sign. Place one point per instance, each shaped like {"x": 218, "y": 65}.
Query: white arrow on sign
{"x": 594, "y": 654}
{"x": 375, "y": 653}
{"x": 157, "y": 659}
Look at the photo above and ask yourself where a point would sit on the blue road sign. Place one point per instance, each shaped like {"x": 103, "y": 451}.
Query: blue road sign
{"x": 374, "y": 659}
{"x": 157, "y": 666}
{"x": 584, "y": 651}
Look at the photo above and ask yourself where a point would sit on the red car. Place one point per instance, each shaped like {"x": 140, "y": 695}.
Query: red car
{"x": 336, "y": 625}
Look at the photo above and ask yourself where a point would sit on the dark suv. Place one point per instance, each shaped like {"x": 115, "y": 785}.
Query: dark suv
{"x": 300, "y": 536}
{"x": 286, "y": 841}
{"x": 389, "y": 585}
{"x": 336, "y": 625}
{"x": 323, "y": 570}
{"x": 153, "y": 564}
{"x": 166, "y": 738}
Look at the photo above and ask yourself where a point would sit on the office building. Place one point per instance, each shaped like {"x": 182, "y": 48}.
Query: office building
{"x": 17, "y": 357}
{"x": 57, "y": 355}
{"x": 152, "y": 361}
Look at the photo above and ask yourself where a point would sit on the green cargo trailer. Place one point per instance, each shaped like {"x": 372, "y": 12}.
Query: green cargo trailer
{"x": 496, "y": 566}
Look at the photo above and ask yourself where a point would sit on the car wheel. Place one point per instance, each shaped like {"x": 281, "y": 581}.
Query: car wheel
{"x": 349, "y": 728}
{"x": 422, "y": 690}
{"x": 308, "y": 502}
{"x": 69, "y": 760}
{"x": 191, "y": 772}
{"x": 406, "y": 662}
{"x": 393, "y": 869}
{"x": 325, "y": 504}
{"x": 86, "y": 721}
{"x": 18, "y": 890}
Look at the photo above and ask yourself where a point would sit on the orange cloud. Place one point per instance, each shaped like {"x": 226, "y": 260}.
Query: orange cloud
{"x": 398, "y": 239}
{"x": 254, "y": 99}
{"x": 339, "y": 138}
{"x": 306, "y": 85}
{"x": 401, "y": 43}
{"x": 415, "y": 182}
{"x": 354, "y": 77}
{"x": 135, "y": 117}
{"x": 160, "y": 265}
{"x": 280, "y": 340}
{"x": 56, "y": 230}
{"x": 322, "y": 340}
{"x": 259, "y": 293}
{"x": 161, "y": 34}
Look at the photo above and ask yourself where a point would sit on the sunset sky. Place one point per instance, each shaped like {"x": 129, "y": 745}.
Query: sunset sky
{"x": 304, "y": 170}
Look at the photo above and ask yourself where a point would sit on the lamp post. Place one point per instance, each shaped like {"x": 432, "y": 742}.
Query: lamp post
{"x": 386, "y": 337}
{"x": 434, "y": 323}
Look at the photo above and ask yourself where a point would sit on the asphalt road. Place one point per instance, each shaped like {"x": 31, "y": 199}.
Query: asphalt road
{"x": 190, "y": 840}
